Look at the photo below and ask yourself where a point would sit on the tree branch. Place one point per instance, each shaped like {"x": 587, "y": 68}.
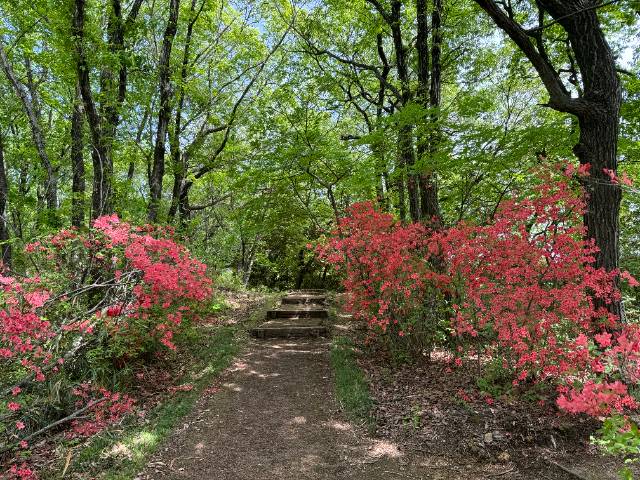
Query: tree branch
{"x": 585, "y": 9}
{"x": 232, "y": 117}
{"x": 559, "y": 97}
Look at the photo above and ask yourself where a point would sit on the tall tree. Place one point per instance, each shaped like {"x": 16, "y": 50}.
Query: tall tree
{"x": 77, "y": 161}
{"x": 596, "y": 106}
{"x": 428, "y": 96}
{"x": 177, "y": 158}
{"x": 103, "y": 118}
{"x": 5, "y": 246}
{"x": 164, "y": 86}
{"x": 102, "y": 192}
{"x": 406, "y": 155}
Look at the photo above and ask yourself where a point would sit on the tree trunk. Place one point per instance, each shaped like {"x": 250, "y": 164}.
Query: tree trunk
{"x": 405, "y": 132}
{"x": 430, "y": 204}
{"x": 428, "y": 94}
{"x": 157, "y": 171}
{"x": 248, "y": 267}
{"x": 4, "y": 196}
{"x": 401, "y": 206}
{"x": 77, "y": 162}
{"x": 112, "y": 90}
{"x": 301, "y": 270}
{"x": 183, "y": 203}
{"x": 177, "y": 159}
{"x": 102, "y": 193}
{"x": 378, "y": 146}
{"x": 597, "y": 109}
{"x": 378, "y": 154}
{"x": 407, "y": 160}
{"x": 598, "y": 146}
{"x": 178, "y": 181}
{"x": 334, "y": 203}
{"x": 132, "y": 166}
{"x": 50, "y": 182}
{"x": 599, "y": 120}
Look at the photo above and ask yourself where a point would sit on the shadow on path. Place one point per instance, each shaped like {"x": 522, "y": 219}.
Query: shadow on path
{"x": 273, "y": 415}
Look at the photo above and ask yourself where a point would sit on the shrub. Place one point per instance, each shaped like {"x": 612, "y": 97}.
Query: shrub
{"x": 388, "y": 273}
{"x": 90, "y": 304}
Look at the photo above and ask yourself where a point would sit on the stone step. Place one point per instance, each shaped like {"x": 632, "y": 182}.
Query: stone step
{"x": 308, "y": 291}
{"x": 296, "y": 299}
{"x": 298, "y": 311}
{"x": 285, "y": 328}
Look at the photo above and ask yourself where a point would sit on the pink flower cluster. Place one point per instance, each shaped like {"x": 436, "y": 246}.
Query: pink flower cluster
{"x": 21, "y": 472}
{"x": 132, "y": 287}
{"x": 387, "y": 266}
{"x": 170, "y": 277}
{"x": 522, "y": 289}
{"x": 105, "y": 408}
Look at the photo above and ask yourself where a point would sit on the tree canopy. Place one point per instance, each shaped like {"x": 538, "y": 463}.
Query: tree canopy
{"x": 253, "y": 125}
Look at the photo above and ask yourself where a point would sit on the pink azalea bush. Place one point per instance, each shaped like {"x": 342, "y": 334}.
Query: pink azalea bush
{"x": 113, "y": 295}
{"x": 388, "y": 271}
{"x": 521, "y": 290}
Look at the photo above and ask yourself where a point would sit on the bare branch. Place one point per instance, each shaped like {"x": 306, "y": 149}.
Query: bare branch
{"x": 559, "y": 97}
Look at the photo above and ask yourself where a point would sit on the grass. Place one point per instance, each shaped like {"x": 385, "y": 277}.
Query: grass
{"x": 352, "y": 387}
{"x": 121, "y": 454}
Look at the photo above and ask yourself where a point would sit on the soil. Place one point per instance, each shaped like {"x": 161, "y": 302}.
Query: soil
{"x": 431, "y": 409}
{"x": 274, "y": 415}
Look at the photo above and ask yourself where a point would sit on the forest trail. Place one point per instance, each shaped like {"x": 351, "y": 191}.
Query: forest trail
{"x": 274, "y": 415}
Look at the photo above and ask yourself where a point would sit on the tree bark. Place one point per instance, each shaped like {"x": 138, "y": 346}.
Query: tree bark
{"x": 113, "y": 90}
{"x": 157, "y": 171}
{"x": 377, "y": 146}
{"x": 303, "y": 268}
{"x": 430, "y": 203}
{"x": 102, "y": 193}
{"x": 177, "y": 158}
{"x": 401, "y": 206}
{"x": 50, "y": 182}
{"x": 599, "y": 122}
{"x": 428, "y": 95}
{"x": 406, "y": 156}
{"x": 406, "y": 162}
{"x": 248, "y": 267}
{"x": 103, "y": 122}
{"x": 5, "y": 246}
{"x": 77, "y": 162}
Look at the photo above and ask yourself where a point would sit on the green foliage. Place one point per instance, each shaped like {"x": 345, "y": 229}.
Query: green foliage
{"x": 414, "y": 420}
{"x": 496, "y": 380}
{"x": 620, "y": 436}
{"x": 227, "y": 279}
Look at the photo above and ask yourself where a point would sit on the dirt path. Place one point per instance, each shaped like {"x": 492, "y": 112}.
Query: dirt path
{"x": 274, "y": 416}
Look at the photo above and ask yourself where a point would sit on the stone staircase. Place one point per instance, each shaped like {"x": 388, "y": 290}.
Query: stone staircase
{"x": 302, "y": 313}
